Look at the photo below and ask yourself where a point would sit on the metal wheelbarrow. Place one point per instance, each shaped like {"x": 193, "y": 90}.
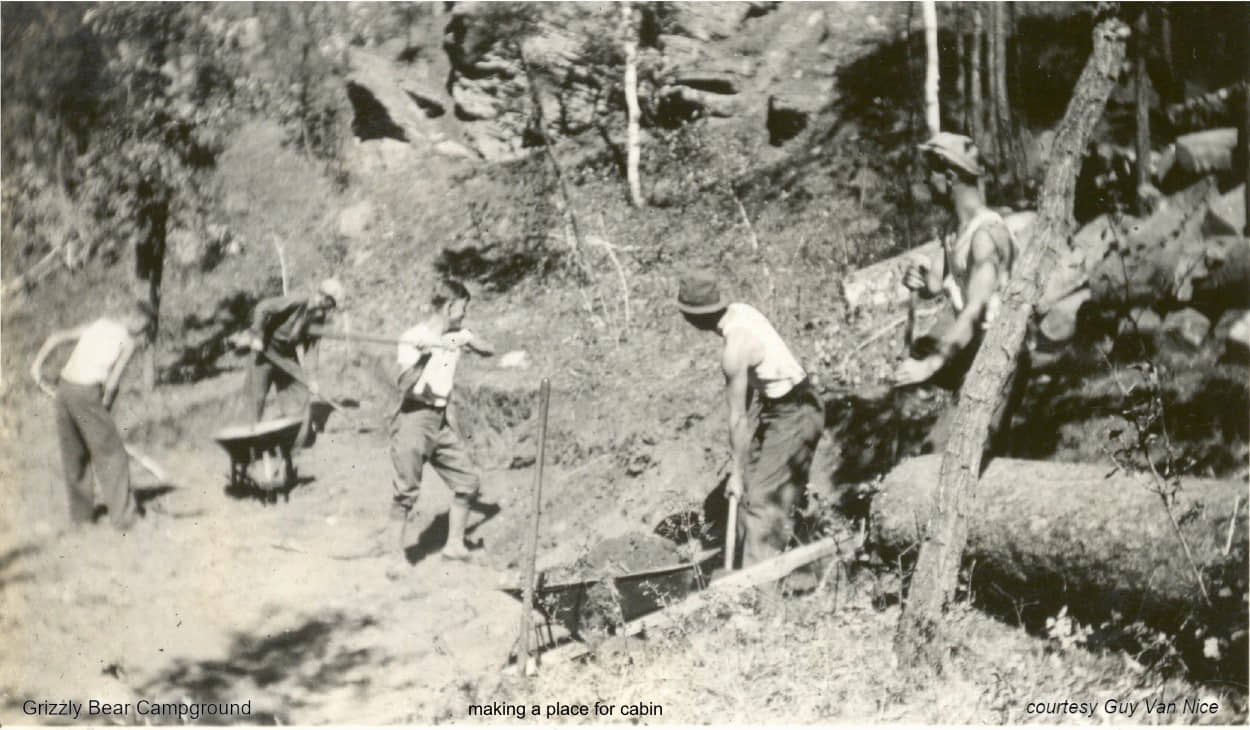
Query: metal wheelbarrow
{"x": 260, "y": 454}
{"x": 593, "y": 608}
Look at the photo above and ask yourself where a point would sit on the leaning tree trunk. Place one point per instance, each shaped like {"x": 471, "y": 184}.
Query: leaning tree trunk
{"x": 631, "y": 103}
{"x": 921, "y": 639}
{"x": 1048, "y": 535}
{"x": 1141, "y": 80}
{"x": 932, "y": 109}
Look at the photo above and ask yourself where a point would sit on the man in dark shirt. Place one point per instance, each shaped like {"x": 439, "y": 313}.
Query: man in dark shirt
{"x": 280, "y": 327}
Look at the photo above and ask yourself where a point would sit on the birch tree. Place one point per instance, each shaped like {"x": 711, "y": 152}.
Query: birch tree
{"x": 630, "y": 42}
{"x": 932, "y": 111}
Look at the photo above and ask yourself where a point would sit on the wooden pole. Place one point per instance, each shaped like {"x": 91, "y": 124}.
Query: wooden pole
{"x": 531, "y": 547}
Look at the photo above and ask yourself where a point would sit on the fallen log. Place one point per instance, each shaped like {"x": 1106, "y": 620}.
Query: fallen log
{"x": 881, "y": 284}
{"x": 1045, "y": 534}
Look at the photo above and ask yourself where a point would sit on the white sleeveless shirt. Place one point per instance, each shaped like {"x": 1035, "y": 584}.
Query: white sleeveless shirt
{"x": 97, "y": 351}
{"x": 778, "y": 372}
{"x": 958, "y": 247}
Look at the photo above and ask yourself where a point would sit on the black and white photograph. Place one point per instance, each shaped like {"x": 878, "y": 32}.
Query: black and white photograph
{"x": 624, "y": 363}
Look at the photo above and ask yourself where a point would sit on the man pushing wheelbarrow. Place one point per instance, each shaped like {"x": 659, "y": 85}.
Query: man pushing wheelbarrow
{"x": 286, "y": 349}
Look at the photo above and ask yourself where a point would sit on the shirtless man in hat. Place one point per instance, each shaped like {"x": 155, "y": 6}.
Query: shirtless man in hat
{"x": 973, "y": 270}
{"x": 769, "y": 464}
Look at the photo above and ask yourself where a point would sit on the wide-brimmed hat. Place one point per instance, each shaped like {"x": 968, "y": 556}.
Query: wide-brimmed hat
{"x": 955, "y": 150}
{"x": 697, "y": 293}
{"x": 333, "y": 289}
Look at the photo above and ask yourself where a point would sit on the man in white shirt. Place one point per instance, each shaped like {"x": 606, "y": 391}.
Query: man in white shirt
{"x": 769, "y": 467}
{"x": 88, "y": 437}
{"x": 425, "y": 427}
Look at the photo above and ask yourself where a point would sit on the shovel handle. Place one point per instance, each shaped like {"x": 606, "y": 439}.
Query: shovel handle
{"x": 913, "y": 303}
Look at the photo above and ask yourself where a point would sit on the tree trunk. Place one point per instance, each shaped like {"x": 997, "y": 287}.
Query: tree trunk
{"x": 631, "y": 103}
{"x": 932, "y": 109}
{"x": 975, "y": 86}
{"x": 921, "y": 639}
{"x": 1046, "y": 534}
{"x": 961, "y": 63}
{"x": 1141, "y": 81}
{"x": 1171, "y": 82}
{"x": 993, "y": 61}
{"x": 570, "y": 216}
{"x": 1243, "y": 135}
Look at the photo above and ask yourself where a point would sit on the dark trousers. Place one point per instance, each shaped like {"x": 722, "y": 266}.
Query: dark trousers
{"x": 88, "y": 438}
{"x": 781, "y": 456}
{"x": 420, "y": 435}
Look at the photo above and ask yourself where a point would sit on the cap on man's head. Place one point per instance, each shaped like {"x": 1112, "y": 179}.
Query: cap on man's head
{"x": 697, "y": 293}
{"x": 955, "y": 150}
{"x": 333, "y": 289}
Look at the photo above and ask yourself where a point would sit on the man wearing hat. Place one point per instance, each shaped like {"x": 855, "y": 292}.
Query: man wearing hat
{"x": 974, "y": 270}
{"x": 280, "y": 327}
{"x": 975, "y": 265}
{"x": 768, "y": 465}
{"x": 89, "y": 439}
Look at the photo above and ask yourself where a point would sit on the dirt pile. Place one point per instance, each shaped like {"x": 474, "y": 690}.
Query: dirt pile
{"x": 625, "y": 554}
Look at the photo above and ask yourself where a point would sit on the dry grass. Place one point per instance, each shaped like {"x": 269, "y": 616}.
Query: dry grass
{"x": 826, "y": 657}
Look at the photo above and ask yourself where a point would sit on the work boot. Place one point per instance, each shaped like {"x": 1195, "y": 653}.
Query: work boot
{"x": 397, "y": 562}
{"x": 457, "y": 518}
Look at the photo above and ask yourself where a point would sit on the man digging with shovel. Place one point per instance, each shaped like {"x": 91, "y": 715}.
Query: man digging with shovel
{"x": 88, "y": 438}
{"x": 425, "y": 426}
{"x": 281, "y": 336}
{"x": 768, "y": 469}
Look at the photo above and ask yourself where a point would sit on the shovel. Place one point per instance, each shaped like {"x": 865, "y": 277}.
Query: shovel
{"x": 292, "y": 370}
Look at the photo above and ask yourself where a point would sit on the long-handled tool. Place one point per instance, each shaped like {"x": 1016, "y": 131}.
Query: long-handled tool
{"x": 293, "y": 371}
{"x": 531, "y": 547}
{"x": 731, "y": 532}
{"x": 913, "y": 304}
{"x": 140, "y": 458}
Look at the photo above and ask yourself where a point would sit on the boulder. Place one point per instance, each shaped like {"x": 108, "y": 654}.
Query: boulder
{"x": 1059, "y": 324}
{"x": 707, "y": 21}
{"x": 518, "y": 359}
{"x": 1142, "y": 321}
{"x": 678, "y": 104}
{"x": 355, "y": 220}
{"x": 713, "y": 82}
{"x": 1236, "y": 337}
{"x": 1210, "y": 151}
{"x": 451, "y": 148}
{"x": 1227, "y": 215}
{"x": 1186, "y": 328}
{"x": 474, "y": 103}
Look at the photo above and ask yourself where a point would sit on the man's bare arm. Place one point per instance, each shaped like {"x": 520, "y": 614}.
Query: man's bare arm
{"x": 55, "y": 340}
{"x": 734, "y": 363}
{"x": 115, "y": 375}
{"x": 982, "y": 281}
